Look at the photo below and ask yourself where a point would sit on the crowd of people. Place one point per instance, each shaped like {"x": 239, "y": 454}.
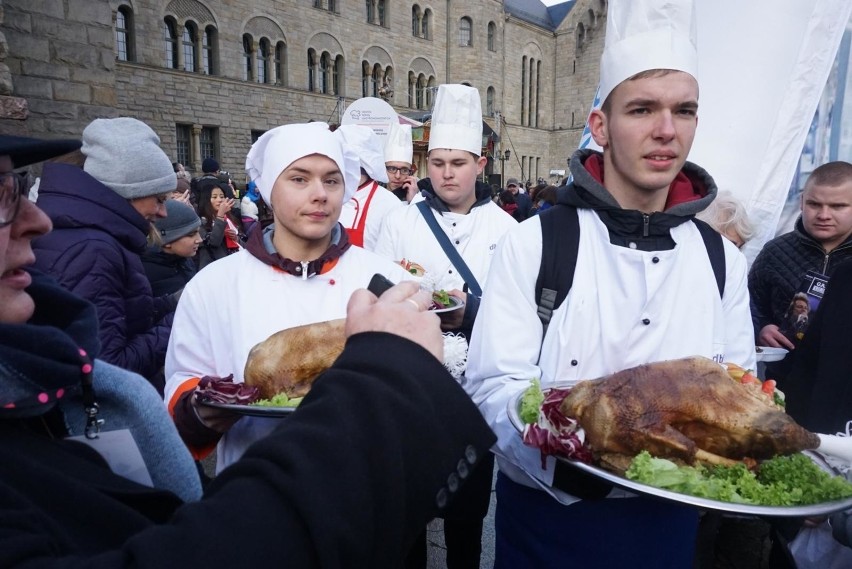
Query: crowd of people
{"x": 127, "y": 285}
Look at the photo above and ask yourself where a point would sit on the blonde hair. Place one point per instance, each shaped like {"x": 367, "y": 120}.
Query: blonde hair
{"x": 727, "y": 212}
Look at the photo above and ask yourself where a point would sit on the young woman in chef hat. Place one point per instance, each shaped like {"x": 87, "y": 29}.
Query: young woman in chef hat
{"x": 301, "y": 270}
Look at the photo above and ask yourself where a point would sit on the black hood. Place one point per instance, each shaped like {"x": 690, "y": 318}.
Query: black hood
{"x": 482, "y": 192}
{"x": 585, "y": 192}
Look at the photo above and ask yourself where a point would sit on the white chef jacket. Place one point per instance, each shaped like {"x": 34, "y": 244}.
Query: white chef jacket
{"x": 406, "y": 235}
{"x": 626, "y": 307}
{"x": 239, "y": 301}
{"x": 382, "y": 203}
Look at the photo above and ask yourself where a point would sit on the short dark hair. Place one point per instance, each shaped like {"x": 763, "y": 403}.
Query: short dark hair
{"x": 831, "y": 174}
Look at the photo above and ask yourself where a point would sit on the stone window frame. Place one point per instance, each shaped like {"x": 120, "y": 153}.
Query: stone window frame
{"x": 312, "y": 62}
{"x": 492, "y": 39}
{"x": 530, "y": 90}
{"x": 279, "y": 59}
{"x": 490, "y": 97}
{"x": 125, "y": 35}
{"x": 421, "y": 90}
{"x": 416, "y": 19}
{"x": 209, "y": 41}
{"x": 263, "y": 59}
{"x": 465, "y": 31}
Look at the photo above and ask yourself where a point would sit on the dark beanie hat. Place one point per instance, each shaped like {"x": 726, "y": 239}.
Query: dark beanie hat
{"x": 180, "y": 220}
{"x": 209, "y": 166}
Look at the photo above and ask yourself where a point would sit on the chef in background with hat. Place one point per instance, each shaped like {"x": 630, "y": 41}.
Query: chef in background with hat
{"x": 399, "y": 162}
{"x": 362, "y": 215}
{"x": 643, "y": 290}
{"x": 461, "y": 207}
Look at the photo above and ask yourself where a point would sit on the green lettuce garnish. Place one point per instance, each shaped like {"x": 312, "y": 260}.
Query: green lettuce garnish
{"x": 781, "y": 481}
{"x": 279, "y": 400}
{"x": 531, "y": 403}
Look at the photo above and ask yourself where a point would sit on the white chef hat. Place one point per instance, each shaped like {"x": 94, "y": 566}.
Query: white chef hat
{"x": 457, "y": 119}
{"x": 364, "y": 141}
{"x": 648, "y": 34}
{"x": 283, "y": 145}
{"x": 399, "y": 146}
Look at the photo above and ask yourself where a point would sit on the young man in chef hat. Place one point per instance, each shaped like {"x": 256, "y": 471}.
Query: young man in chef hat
{"x": 301, "y": 269}
{"x": 362, "y": 215}
{"x": 462, "y": 210}
{"x": 399, "y": 156}
{"x": 643, "y": 291}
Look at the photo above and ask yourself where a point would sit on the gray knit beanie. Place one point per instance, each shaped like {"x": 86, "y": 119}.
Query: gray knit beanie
{"x": 180, "y": 220}
{"x": 124, "y": 154}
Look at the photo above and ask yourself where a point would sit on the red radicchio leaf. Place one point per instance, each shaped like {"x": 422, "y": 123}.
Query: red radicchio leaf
{"x": 554, "y": 433}
{"x": 224, "y": 390}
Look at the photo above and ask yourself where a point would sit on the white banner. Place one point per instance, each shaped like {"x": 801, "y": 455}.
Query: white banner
{"x": 762, "y": 68}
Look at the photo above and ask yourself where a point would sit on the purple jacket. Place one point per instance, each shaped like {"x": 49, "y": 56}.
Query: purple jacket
{"x": 94, "y": 251}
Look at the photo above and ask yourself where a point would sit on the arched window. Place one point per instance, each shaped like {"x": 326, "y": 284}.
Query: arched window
{"x": 170, "y": 43}
{"x": 189, "y": 37}
{"x": 376, "y": 80}
{"x": 325, "y": 72}
{"x": 208, "y": 43}
{"x": 492, "y": 31}
{"x": 124, "y": 35}
{"x": 263, "y": 61}
{"x": 332, "y": 6}
{"x": 415, "y": 21}
{"x": 431, "y": 89}
{"x": 524, "y": 87}
{"x": 248, "y": 44}
{"x": 380, "y": 9}
{"x": 281, "y": 63}
{"x": 466, "y": 32}
{"x": 337, "y": 73}
{"x": 489, "y": 102}
{"x": 412, "y": 85}
{"x": 312, "y": 70}
{"x": 365, "y": 79}
{"x": 426, "y": 32}
{"x": 421, "y": 92}
{"x": 371, "y": 14}
{"x": 581, "y": 35}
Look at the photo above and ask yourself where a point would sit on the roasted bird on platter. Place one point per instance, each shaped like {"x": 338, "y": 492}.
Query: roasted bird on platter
{"x": 691, "y": 409}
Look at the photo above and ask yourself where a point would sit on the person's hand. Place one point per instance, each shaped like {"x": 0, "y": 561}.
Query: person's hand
{"x": 184, "y": 198}
{"x": 232, "y": 233}
{"x": 771, "y": 337}
{"x": 410, "y": 185}
{"x": 219, "y": 420}
{"x": 452, "y": 320}
{"x": 224, "y": 207}
{"x": 402, "y": 310}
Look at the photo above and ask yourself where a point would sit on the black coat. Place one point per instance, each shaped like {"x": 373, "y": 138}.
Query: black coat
{"x": 167, "y": 273}
{"x": 819, "y": 385}
{"x": 349, "y": 480}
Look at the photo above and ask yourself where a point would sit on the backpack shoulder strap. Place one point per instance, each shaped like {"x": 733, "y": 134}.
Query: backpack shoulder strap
{"x": 715, "y": 250}
{"x": 560, "y": 242}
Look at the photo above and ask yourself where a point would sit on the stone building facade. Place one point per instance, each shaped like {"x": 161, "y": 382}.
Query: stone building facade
{"x": 210, "y": 76}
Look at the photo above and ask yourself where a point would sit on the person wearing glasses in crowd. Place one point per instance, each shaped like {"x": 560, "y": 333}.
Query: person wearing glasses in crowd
{"x": 102, "y": 217}
{"x": 362, "y": 215}
{"x": 63, "y": 506}
{"x": 399, "y": 153}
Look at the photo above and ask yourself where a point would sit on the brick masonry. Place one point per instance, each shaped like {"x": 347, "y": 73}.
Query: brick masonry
{"x": 58, "y": 68}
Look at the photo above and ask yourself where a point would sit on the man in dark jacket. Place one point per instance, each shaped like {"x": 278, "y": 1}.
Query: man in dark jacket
{"x": 101, "y": 217}
{"x": 820, "y": 242}
{"x": 521, "y": 198}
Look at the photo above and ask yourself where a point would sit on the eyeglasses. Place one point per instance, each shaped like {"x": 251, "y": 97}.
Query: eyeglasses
{"x": 12, "y": 186}
{"x": 403, "y": 171}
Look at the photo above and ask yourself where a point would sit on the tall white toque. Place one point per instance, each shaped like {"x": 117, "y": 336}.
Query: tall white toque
{"x": 648, "y": 34}
{"x": 399, "y": 147}
{"x": 457, "y": 119}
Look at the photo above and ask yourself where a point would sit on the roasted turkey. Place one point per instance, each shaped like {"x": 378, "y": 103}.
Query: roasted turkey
{"x": 289, "y": 361}
{"x": 688, "y": 409}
